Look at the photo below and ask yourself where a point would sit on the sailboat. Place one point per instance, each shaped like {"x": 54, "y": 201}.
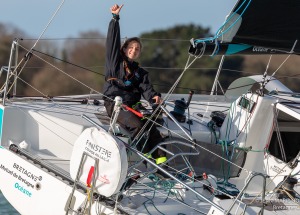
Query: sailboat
{"x": 235, "y": 153}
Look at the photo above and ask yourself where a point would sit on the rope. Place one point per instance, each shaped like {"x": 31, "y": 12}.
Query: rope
{"x": 272, "y": 181}
{"x": 267, "y": 67}
{"x": 224, "y": 183}
{"x": 12, "y": 73}
{"x": 280, "y": 65}
{"x": 217, "y": 35}
{"x": 153, "y": 187}
{"x": 280, "y": 143}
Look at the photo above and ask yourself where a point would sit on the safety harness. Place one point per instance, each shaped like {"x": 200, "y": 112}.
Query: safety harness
{"x": 132, "y": 77}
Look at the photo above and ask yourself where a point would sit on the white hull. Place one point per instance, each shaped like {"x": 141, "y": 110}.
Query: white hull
{"x": 47, "y": 131}
{"x": 33, "y": 190}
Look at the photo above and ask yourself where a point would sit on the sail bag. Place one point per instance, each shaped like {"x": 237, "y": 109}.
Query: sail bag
{"x": 111, "y": 154}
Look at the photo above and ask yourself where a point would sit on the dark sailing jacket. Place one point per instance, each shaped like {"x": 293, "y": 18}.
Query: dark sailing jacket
{"x": 118, "y": 81}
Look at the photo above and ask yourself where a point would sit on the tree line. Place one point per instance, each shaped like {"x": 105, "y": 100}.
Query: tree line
{"x": 76, "y": 65}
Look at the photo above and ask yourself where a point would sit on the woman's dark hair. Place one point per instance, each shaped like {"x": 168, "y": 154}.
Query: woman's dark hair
{"x": 129, "y": 40}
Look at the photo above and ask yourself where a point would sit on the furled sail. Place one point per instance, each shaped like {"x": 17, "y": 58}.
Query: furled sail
{"x": 255, "y": 27}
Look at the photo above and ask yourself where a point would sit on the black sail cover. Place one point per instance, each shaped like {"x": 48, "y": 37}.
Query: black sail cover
{"x": 266, "y": 26}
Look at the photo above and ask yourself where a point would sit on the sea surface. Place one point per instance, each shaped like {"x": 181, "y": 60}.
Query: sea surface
{"x": 6, "y": 208}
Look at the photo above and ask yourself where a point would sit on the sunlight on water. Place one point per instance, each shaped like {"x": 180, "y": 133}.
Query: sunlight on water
{"x": 6, "y": 208}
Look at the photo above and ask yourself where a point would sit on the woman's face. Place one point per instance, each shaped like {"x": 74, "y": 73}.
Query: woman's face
{"x": 133, "y": 50}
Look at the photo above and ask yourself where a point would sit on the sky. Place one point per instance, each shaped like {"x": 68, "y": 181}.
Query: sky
{"x": 137, "y": 16}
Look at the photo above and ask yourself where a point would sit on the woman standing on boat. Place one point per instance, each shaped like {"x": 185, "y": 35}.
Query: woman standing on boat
{"x": 126, "y": 79}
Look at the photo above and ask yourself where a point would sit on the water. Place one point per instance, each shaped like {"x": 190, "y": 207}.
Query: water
{"x": 6, "y": 208}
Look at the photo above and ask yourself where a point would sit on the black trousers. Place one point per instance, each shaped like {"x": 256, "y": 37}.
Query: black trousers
{"x": 133, "y": 124}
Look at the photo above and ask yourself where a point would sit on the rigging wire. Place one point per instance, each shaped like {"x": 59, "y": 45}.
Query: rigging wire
{"x": 104, "y": 38}
{"x": 174, "y": 85}
{"x": 177, "y": 68}
{"x": 167, "y": 96}
{"x": 99, "y": 93}
{"x": 50, "y": 21}
{"x": 266, "y": 80}
{"x": 40, "y": 92}
{"x": 68, "y": 62}
{"x": 177, "y": 87}
{"x": 198, "y": 145}
{"x": 70, "y": 76}
{"x": 171, "y": 90}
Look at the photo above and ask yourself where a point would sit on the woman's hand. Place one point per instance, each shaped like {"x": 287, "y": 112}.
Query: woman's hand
{"x": 157, "y": 99}
{"x": 116, "y": 9}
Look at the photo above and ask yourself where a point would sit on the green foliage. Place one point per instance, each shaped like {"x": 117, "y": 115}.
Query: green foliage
{"x": 73, "y": 65}
{"x": 53, "y": 68}
{"x": 165, "y": 55}
{"x": 166, "y": 58}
